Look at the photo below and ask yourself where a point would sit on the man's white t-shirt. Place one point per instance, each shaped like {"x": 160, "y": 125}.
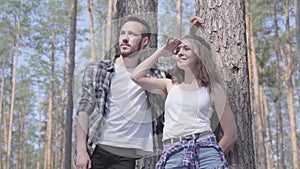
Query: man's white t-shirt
{"x": 127, "y": 129}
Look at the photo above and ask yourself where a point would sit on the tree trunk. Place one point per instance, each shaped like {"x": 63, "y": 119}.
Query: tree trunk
{"x": 297, "y": 17}
{"x": 39, "y": 128}
{"x": 92, "y": 32}
{"x": 179, "y": 18}
{"x": 15, "y": 64}
{"x": 1, "y": 104}
{"x": 68, "y": 131}
{"x": 260, "y": 141}
{"x": 2, "y": 88}
{"x": 278, "y": 88}
{"x": 289, "y": 89}
{"x": 269, "y": 138}
{"x": 20, "y": 158}
{"x": 248, "y": 34}
{"x": 146, "y": 9}
{"x": 48, "y": 148}
{"x": 224, "y": 28}
{"x": 62, "y": 118}
{"x": 109, "y": 28}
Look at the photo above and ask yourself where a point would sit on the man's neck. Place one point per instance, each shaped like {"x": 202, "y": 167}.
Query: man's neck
{"x": 128, "y": 62}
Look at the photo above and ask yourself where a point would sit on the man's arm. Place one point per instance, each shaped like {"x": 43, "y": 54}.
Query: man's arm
{"x": 83, "y": 159}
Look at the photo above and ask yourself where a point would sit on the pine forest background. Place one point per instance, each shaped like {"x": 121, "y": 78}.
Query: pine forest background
{"x": 45, "y": 46}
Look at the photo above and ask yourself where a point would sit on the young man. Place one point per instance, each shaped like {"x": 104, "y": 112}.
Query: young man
{"x": 114, "y": 114}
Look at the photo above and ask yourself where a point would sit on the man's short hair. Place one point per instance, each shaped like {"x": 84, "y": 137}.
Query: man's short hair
{"x": 146, "y": 27}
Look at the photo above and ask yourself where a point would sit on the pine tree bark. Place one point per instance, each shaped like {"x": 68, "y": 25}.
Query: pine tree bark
{"x": 39, "y": 128}
{"x": 108, "y": 36}
{"x": 224, "y": 28}
{"x": 68, "y": 131}
{"x": 11, "y": 111}
{"x": 289, "y": 88}
{"x": 146, "y": 9}
{"x": 92, "y": 32}
{"x": 260, "y": 141}
{"x": 179, "y": 18}
{"x": 269, "y": 138}
{"x": 278, "y": 51}
{"x": 20, "y": 158}
{"x": 48, "y": 147}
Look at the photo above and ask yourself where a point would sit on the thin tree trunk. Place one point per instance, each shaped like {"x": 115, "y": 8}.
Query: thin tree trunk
{"x": 278, "y": 87}
{"x": 248, "y": 34}
{"x": 269, "y": 140}
{"x": 297, "y": 17}
{"x": 224, "y": 28}
{"x": 6, "y": 116}
{"x": 2, "y": 87}
{"x": 39, "y": 128}
{"x": 263, "y": 120}
{"x": 68, "y": 131}
{"x": 92, "y": 32}
{"x": 289, "y": 90}
{"x": 261, "y": 151}
{"x": 109, "y": 28}
{"x": 48, "y": 149}
{"x": 13, "y": 88}
{"x": 63, "y": 102}
{"x": 1, "y": 104}
{"x": 21, "y": 140}
{"x": 179, "y": 18}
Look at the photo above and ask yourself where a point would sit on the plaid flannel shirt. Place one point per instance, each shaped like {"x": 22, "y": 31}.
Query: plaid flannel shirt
{"x": 191, "y": 158}
{"x": 95, "y": 88}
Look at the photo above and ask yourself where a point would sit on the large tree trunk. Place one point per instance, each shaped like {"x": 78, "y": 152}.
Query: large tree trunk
{"x": 68, "y": 131}
{"x": 146, "y": 9}
{"x": 179, "y": 18}
{"x": 92, "y": 32}
{"x": 224, "y": 28}
{"x": 48, "y": 148}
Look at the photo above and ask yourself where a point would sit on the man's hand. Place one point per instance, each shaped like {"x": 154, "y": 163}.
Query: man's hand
{"x": 83, "y": 160}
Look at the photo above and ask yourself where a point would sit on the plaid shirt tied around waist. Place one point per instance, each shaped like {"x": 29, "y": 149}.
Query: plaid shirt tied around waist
{"x": 191, "y": 156}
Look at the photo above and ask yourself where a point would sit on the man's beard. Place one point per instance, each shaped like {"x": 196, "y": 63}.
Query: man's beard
{"x": 132, "y": 53}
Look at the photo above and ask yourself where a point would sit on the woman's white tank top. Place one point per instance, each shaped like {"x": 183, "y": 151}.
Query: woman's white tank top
{"x": 186, "y": 112}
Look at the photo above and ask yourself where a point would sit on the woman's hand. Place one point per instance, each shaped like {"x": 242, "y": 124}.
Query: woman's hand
{"x": 195, "y": 23}
{"x": 170, "y": 46}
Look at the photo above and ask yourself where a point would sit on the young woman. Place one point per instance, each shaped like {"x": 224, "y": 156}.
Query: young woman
{"x": 188, "y": 138}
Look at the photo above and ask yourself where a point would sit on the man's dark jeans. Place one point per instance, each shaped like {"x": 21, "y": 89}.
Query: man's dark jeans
{"x": 102, "y": 159}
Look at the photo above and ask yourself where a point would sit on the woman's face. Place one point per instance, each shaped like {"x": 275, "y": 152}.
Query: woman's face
{"x": 186, "y": 57}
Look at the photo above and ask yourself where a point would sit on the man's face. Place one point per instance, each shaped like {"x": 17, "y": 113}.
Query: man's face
{"x": 130, "y": 39}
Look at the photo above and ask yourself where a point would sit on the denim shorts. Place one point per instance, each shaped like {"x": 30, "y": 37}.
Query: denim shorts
{"x": 208, "y": 158}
